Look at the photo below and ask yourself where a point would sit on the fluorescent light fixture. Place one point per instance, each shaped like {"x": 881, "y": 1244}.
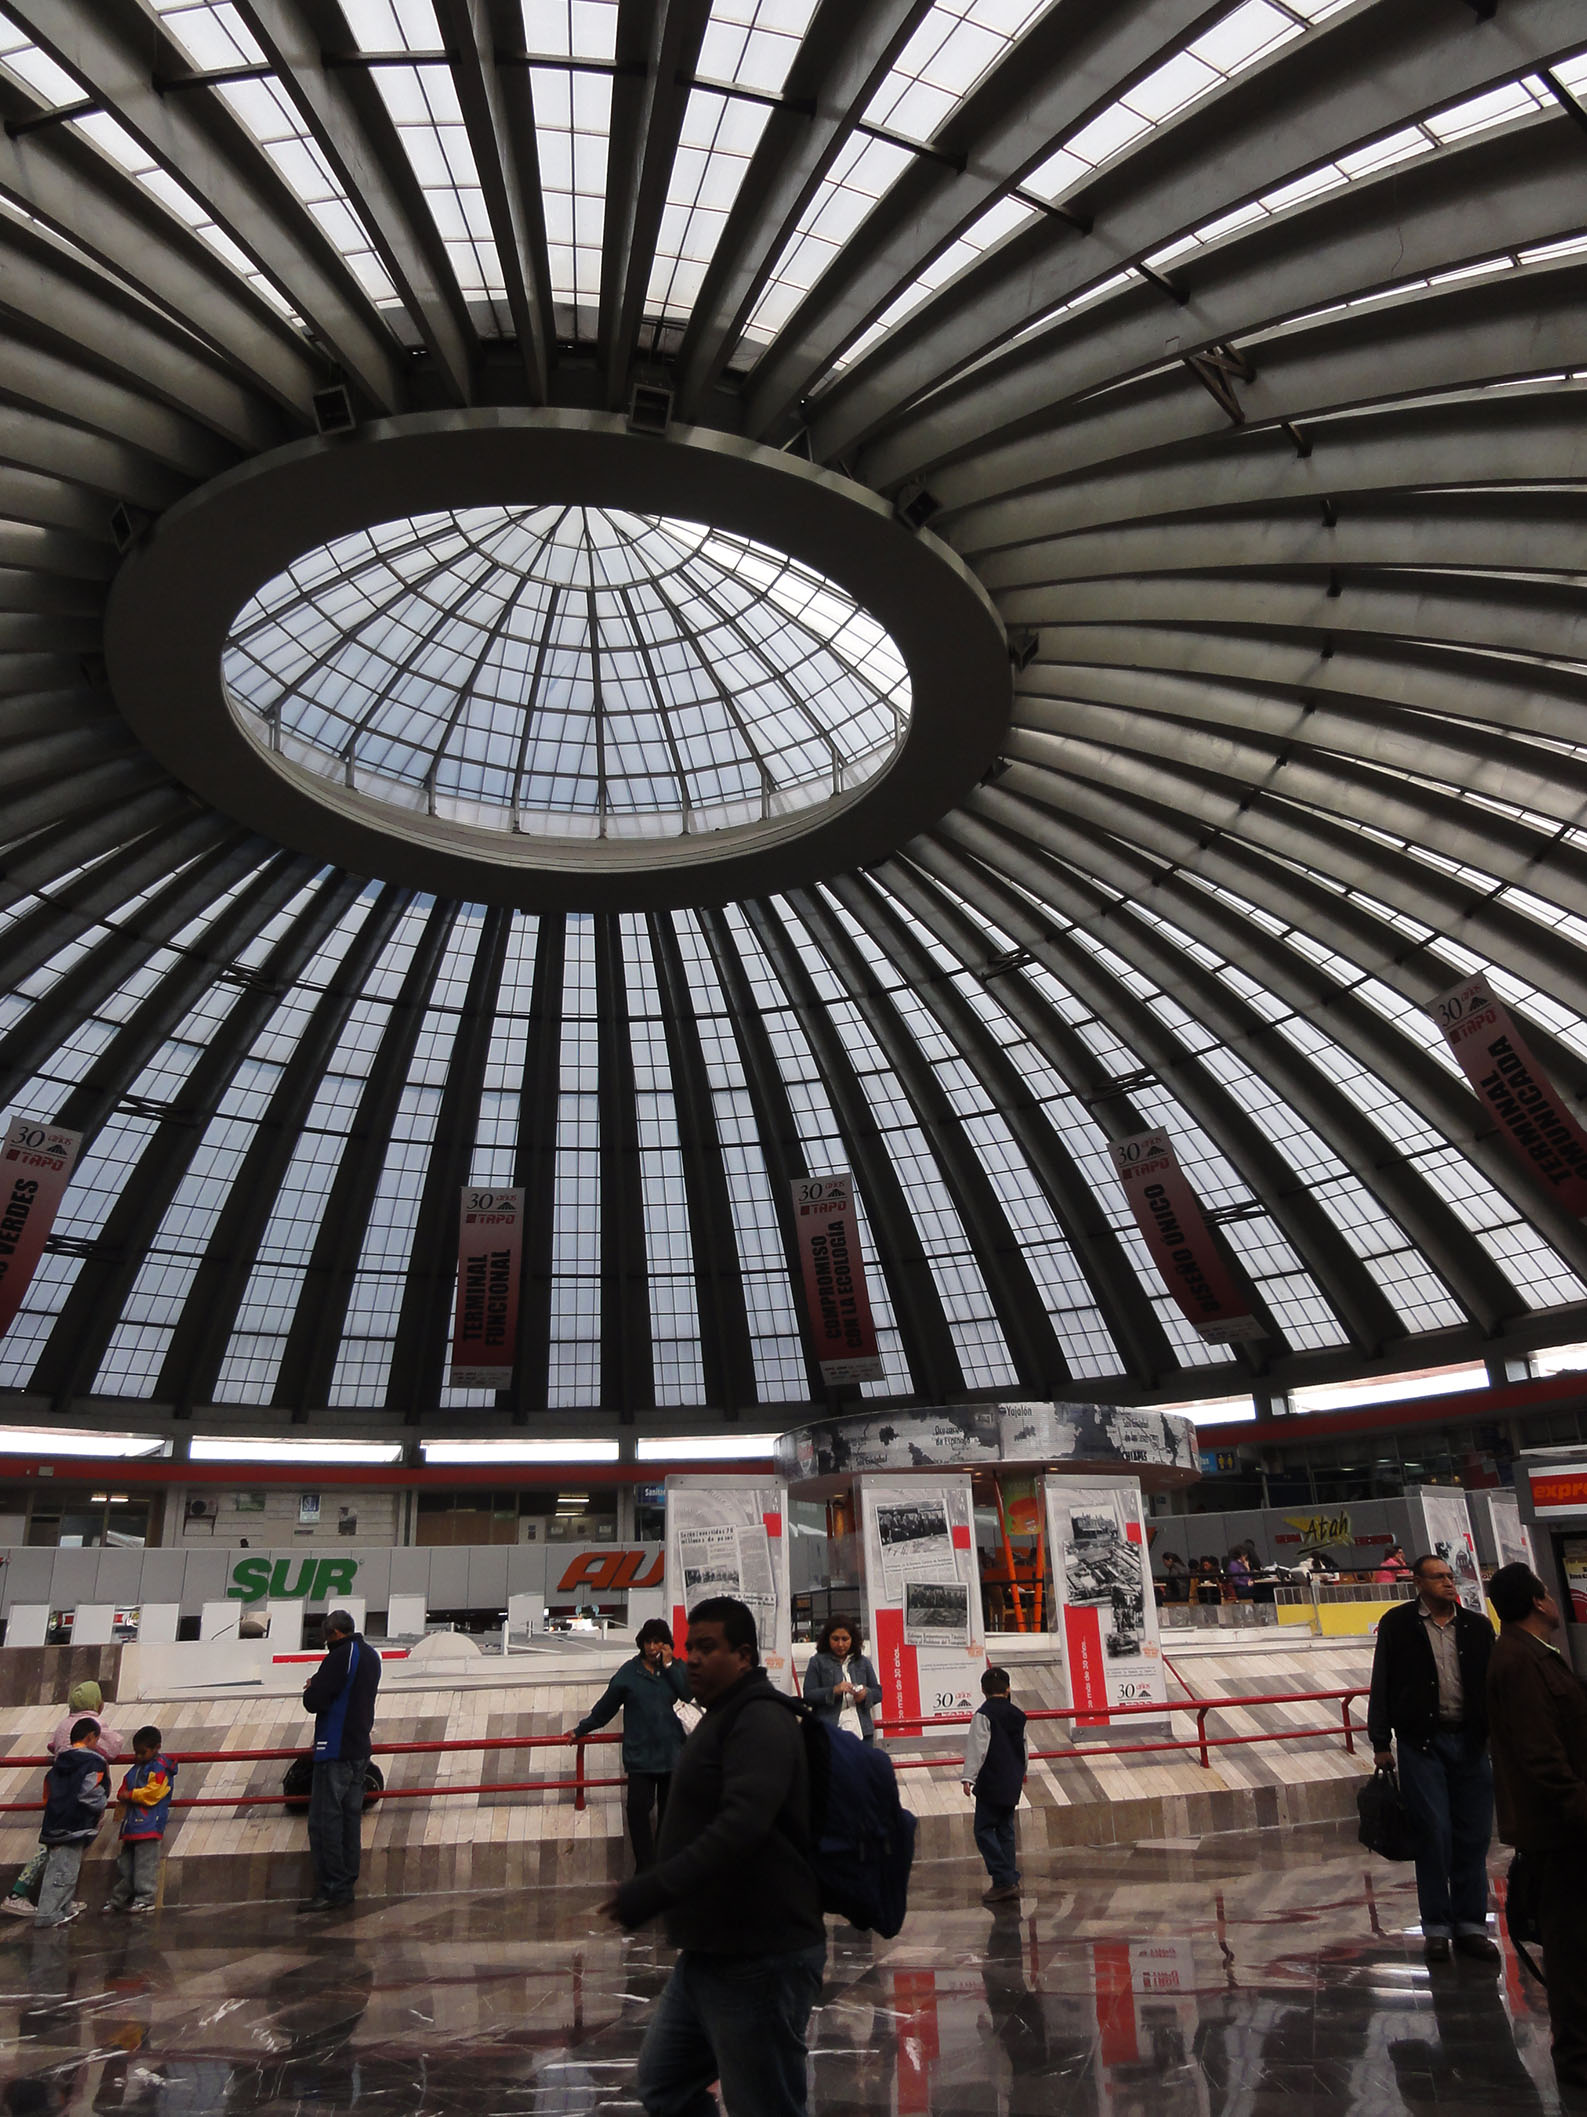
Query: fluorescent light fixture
{"x": 708, "y": 1448}
{"x": 1214, "y": 1411}
{"x": 1390, "y": 1389}
{"x": 42, "y": 1441}
{"x": 216, "y": 1448}
{"x": 519, "y": 1451}
{"x": 99, "y": 1499}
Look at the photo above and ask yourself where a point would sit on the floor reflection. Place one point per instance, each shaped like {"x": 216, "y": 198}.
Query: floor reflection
{"x": 1270, "y": 1976}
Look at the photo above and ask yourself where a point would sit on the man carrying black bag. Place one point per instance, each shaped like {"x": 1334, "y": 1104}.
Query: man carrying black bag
{"x": 1539, "y": 1713}
{"x": 1429, "y": 1695}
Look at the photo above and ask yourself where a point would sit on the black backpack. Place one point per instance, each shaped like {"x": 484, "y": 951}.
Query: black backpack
{"x": 864, "y": 1837}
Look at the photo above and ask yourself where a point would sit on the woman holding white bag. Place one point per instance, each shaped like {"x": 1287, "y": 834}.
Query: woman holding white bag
{"x": 840, "y": 1683}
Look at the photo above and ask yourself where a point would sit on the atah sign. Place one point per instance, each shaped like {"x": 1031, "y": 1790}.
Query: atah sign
{"x": 252, "y": 1579}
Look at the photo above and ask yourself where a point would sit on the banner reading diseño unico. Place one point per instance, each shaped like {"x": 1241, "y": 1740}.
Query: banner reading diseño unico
{"x": 1169, "y": 1216}
{"x": 1532, "y": 1116}
{"x": 36, "y": 1165}
{"x": 489, "y": 1254}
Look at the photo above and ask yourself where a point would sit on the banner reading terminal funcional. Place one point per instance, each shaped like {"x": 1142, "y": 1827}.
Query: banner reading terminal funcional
{"x": 35, "y": 1168}
{"x": 489, "y": 1246}
{"x": 1533, "y": 1119}
{"x": 1168, "y": 1215}
{"x": 829, "y": 1254}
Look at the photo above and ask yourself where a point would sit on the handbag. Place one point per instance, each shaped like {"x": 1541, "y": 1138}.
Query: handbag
{"x": 1386, "y": 1825}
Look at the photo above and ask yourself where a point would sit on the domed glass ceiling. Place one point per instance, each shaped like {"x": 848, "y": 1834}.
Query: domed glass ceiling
{"x": 568, "y": 671}
{"x": 1244, "y": 362}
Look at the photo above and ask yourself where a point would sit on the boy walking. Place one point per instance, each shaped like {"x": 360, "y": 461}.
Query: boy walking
{"x": 145, "y": 1803}
{"x": 76, "y": 1794}
{"x": 994, "y": 1772}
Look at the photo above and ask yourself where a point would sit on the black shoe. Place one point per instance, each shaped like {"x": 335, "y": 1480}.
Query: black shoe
{"x": 1436, "y": 1948}
{"x": 1006, "y": 1895}
{"x": 1477, "y": 1948}
{"x": 318, "y": 1903}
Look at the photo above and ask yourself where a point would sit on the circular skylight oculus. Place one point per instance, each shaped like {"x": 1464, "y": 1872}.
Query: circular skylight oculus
{"x": 568, "y": 672}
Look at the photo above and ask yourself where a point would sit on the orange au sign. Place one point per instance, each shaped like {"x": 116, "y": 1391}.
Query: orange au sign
{"x": 603, "y": 1572}
{"x": 1560, "y": 1492}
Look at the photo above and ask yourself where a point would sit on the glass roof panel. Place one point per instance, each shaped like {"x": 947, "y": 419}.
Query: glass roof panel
{"x": 574, "y": 671}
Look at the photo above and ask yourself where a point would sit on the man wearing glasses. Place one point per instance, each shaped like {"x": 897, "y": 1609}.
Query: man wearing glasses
{"x": 1429, "y": 1694}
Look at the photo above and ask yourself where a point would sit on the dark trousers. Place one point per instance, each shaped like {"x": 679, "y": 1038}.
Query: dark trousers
{"x": 736, "y": 2019}
{"x": 994, "y": 1841}
{"x": 1448, "y": 1789}
{"x": 336, "y": 1814}
{"x": 646, "y": 1790}
{"x": 1562, "y": 1881}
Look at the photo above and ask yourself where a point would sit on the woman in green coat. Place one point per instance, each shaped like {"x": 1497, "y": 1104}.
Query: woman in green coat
{"x": 646, "y": 1691}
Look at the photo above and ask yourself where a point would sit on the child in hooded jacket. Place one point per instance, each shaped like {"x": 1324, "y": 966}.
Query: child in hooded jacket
{"x": 145, "y": 1804}
{"x": 994, "y": 1772}
{"x": 76, "y": 1795}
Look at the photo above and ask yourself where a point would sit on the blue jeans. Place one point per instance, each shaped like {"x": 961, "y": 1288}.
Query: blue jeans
{"x": 736, "y": 2019}
{"x": 1449, "y": 1792}
{"x": 994, "y": 1840}
{"x": 336, "y": 1815}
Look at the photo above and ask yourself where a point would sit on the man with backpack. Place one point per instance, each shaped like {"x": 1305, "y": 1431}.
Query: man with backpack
{"x": 735, "y": 1885}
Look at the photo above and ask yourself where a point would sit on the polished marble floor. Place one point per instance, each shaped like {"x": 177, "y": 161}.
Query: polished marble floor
{"x": 1262, "y": 1976}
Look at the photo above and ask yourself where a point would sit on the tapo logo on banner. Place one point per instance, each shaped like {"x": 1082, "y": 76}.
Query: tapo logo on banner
{"x": 36, "y": 1165}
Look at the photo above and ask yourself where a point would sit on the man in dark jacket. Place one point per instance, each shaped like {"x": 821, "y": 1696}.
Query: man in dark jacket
{"x": 644, "y": 1690}
{"x": 1538, "y": 1711}
{"x": 1429, "y": 1693}
{"x": 341, "y": 1696}
{"x": 739, "y": 1897}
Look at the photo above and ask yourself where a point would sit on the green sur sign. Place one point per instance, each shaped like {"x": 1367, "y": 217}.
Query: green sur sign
{"x": 254, "y": 1578}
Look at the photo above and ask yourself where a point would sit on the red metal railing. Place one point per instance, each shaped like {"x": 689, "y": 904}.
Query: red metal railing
{"x": 581, "y": 1784}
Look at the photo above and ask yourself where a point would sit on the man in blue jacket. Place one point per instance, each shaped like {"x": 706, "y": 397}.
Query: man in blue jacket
{"x": 645, "y": 1690}
{"x": 341, "y": 1696}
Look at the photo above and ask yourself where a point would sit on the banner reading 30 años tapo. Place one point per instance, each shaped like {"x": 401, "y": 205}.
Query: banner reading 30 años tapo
{"x": 1169, "y": 1216}
{"x": 489, "y": 1249}
{"x": 1533, "y": 1119}
{"x": 836, "y": 1301}
{"x": 36, "y": 1164}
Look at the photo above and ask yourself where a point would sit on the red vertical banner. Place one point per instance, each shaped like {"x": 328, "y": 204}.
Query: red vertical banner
{"x": 489, "y": 1258}
{"x": 1534, "y": 1120}
{"x": 36, "y": 1165}
{"x": 841, "y": 1326}
{"x": 1169, "y": 1216}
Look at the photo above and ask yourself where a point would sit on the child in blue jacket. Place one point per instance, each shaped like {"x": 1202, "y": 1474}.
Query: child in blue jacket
{"x": 76, "y": 1792}
{"x": 145, "y": 1804}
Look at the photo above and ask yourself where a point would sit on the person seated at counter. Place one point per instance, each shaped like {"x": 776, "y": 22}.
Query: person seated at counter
{"x": 1395, "y": 1567}
{"x": 1209, "y": 1581}
{"x": 1238, "y": 1574}
{"x": 1176, "y": 1578}
{"x": 840, "y": 1683}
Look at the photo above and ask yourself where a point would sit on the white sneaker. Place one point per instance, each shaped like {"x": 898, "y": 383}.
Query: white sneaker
{"x": 18, "y": 1907}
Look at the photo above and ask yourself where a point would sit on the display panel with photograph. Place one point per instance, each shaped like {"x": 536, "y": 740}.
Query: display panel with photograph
{"x": 725, "y": 1536}
{"x": 1113, "y": 1654}
{"x": 924, "y": 1591}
